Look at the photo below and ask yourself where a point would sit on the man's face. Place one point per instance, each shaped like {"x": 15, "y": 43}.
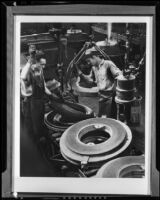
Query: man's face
{"x": 92, "y": 61}
{"x": 42, "y": 63}
{"x": 39, "y": 65}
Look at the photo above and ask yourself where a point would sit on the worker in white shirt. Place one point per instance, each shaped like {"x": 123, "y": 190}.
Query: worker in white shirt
{"x": 103, "y": 73}
{"x": 33, "y": 89}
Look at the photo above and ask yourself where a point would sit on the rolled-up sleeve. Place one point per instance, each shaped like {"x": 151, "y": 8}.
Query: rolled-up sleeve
{"x": 89, "y": 77}
{"x": 25, "y": 71}
{"x": 114, "y": 69}
{"x": 26, "y": 87}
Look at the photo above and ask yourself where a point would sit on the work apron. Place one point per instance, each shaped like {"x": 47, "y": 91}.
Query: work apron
{"x": 107, "y": 106}
{"x": 33, "y": 107}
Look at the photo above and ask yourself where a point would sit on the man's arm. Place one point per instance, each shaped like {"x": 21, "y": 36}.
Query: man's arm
{"x": 114, "y": 69}
{"x": 25, "y": 71}
{"x": 47, "y": 91}
{"x": 51, "y": 95}
{"x": 25, "y": 75}
{"x": 85, "y": 77}
{"x": 26, "y": 87}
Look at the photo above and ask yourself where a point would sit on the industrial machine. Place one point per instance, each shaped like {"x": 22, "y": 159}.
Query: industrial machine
{"x": 127, "y": 97}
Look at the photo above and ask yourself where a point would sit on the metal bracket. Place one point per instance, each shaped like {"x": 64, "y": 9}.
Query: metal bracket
{"x": 84, "y": 162}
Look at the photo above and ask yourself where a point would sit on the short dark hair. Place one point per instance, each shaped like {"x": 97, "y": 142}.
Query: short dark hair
{"x": 93, "y": 53}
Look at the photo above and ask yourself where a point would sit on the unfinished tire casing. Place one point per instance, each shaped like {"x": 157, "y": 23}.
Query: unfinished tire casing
{"x": 129, "y": 167}
{"x": 84, "y": 91}
{"x": 70, "y": 112}
{"x": 74, "y": 148}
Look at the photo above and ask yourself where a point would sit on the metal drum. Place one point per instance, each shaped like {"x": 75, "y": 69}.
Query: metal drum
{"x": 125, "y": 90}
{"x": 94, "y": 141}
{"x": 124, "y": 167}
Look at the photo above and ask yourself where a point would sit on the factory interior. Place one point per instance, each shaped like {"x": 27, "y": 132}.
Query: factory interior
{"x": 78, "y": 138}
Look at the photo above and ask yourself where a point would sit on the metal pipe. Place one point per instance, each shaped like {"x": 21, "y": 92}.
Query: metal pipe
{"x": 102, "y": 52}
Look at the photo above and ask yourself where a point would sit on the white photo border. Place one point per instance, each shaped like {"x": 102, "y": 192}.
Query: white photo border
{"x": 128, "y": 186}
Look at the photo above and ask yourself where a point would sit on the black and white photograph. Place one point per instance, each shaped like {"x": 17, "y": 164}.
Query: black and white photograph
{"x": 82, "y": 103}
{"x": 82, "y": 99}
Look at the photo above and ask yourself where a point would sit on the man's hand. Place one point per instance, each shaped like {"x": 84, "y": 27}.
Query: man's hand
{"x": 31, "y": 60}
{"x": 79, "y": 72}
{"x": 54, "y": 97}
{"x": 32, "y": 54}
{"x": 32, "y": 49}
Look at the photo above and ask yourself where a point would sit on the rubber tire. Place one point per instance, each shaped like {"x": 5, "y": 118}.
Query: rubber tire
{"x": 76, "y": 152}
{"x": 112, "y": 168}
{"x": 73, "y": 112}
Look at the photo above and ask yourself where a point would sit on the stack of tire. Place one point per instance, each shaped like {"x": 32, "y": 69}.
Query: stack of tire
{"x": 95, "y": 141}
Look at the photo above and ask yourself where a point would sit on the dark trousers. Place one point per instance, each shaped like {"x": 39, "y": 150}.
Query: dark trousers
{"x": 33, "y": 111}
{"x": 37, "y": 117}
{"x": 107, "y": 106}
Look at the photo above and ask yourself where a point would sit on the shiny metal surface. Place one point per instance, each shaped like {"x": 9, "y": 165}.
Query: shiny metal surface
{"x": 125, "y": 90}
